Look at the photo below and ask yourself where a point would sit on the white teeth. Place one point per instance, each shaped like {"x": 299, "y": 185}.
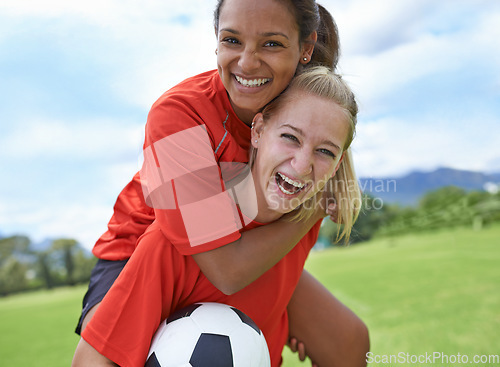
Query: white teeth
{"x": 291, "y": 182}
{"x": 251, "y": 83}
{"x": 285, "y": 190}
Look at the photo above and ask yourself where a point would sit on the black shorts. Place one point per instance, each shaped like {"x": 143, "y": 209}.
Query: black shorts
{"x": 102, "y": 278}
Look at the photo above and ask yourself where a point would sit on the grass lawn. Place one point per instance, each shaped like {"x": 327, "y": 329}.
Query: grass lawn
{"x": 427, "y": 292}
{"x": 419, "y": 293}
{"x": 36, "y": 329}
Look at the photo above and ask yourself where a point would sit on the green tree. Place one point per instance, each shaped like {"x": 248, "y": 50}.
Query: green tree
{"x": 44, "y": 269}
{"x": 84, "y": 263}
{"x": 12, "y": 276}
{"x": 374, "y": 215}
{"x": 13, "y": 245}
{"x": 64, "y": 250}
{"x": 15, "y": 258}
{"x": 446, "y": 207}
{"x": 442, "y": 198}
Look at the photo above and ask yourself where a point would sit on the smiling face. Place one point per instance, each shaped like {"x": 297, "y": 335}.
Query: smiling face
{"x": 258, "y": 52}
{"x": 299, "y": 149}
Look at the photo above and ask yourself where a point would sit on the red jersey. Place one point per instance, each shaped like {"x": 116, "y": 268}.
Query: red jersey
{"x": 160, "y": 277}
{"x": 158, "y": 280}
{"x": 198, "y": 102}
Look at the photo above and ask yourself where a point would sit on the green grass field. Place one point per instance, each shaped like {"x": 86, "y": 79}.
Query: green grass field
{"x": 419, "y": 293}
{"x": 36, "y": 329}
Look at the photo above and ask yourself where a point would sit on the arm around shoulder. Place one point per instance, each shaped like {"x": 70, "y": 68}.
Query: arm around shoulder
{"x": 232, "y": 267}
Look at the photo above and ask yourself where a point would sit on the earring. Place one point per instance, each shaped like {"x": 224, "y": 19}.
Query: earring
{"x": 256, "y": 141}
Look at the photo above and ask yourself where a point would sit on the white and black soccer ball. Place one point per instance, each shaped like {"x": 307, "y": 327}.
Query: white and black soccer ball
{"x": 208, "y": 335}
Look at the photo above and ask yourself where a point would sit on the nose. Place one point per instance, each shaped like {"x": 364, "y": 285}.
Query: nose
{"x": 249, "y": 59}
{"x": 302, "y": 162}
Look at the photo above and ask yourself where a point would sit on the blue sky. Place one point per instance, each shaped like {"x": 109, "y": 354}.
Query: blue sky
{"x": 77, "y": 79}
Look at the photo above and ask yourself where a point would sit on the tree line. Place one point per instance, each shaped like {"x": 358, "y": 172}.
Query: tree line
{"x": 24, "y": 268}
{"x": 446, "y": 207}
{"x": 66, "y": 263}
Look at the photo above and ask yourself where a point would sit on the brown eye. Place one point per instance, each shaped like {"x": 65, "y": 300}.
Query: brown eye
{"x": 230, "y": 40}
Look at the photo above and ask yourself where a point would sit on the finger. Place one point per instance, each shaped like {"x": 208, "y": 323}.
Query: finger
{"x": 331, "y": 208}
{"x": 292, "y": 344}
{"x": 302, "y": 351}
{"x": 332, "y": 211}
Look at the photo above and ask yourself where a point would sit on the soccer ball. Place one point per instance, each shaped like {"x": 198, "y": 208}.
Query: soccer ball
{"x": 208, "y": 335}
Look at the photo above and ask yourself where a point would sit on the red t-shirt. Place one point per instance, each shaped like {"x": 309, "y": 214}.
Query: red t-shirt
{"x": 200, "y": 102}
{"x": 159, "y": 277}
{"x": 158, "y": 280}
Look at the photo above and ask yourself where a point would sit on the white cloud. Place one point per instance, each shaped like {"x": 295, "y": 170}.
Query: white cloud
{"x": 401, "y": 83}
{"x": 56, "y": 139}
{"x": 377, "y": 76}
{"x": 393, "y": 147}
{"x": 143, "y": 47}
{"x": 85, "y": 222}
{"x": 370, "y": 27}
{"x": 162, "y": 56}
{"x": 101, "y": 11}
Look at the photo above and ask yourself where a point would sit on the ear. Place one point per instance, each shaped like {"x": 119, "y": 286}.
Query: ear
{"x": 308, "y": 48}
{"x": 257, "y": 129}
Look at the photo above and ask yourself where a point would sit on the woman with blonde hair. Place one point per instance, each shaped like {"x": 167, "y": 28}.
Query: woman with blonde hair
{"x": 300, "y": 143}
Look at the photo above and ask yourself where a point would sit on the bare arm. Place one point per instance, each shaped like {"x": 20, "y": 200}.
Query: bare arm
{"x": 331, "y": 333}
{"x": 86, "y": 355}
{"x": 232, "y": 267}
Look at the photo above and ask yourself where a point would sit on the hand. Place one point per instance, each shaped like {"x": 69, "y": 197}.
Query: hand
{"x": 332, "y": 212}
{"x": 326, "y": 205}
{"x": 299, "y": 347}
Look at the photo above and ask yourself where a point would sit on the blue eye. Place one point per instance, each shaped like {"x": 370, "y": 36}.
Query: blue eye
{"x": 327, "y": 152}
{"x": 273, "y": 44}
{"x": 290, "y": 137}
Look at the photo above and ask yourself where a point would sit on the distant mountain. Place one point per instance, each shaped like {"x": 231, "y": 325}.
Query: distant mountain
{"x": 407, "y": 190}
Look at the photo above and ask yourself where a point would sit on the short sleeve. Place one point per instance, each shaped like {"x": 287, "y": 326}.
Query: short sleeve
{"x": 182, "y": 181}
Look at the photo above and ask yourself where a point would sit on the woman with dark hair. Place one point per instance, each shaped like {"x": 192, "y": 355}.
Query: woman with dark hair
{"x": 261, "y": 46}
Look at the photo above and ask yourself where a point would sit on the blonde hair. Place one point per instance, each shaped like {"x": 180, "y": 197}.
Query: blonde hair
{"x": 343, "y": 188}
